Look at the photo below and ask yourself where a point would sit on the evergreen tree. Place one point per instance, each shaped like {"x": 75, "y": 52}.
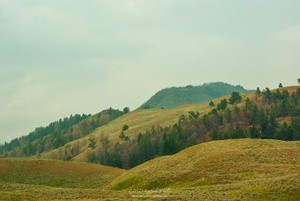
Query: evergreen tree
{"x": 223, "y": 104}
{"x": 258, "y": 92}
{"x": 235, "y": 98}
{"x": 92, "y": 143}
{"x": 126, "y": 110}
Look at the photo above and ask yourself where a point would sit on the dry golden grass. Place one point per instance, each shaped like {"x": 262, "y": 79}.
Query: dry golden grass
{"x": 56, "y": 173}
{"x": 244, "y": 169}
{"x": 222, "y": 170}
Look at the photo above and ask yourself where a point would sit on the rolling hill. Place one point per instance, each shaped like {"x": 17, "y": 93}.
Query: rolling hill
{"x": 231, "y": 121}
{"x": 176, "y": 96}
{"x": 56, "y": 173}
{"x": 138, "y": 121}
{"x": 233, "y": 169}
{"x": 240, "y": 169}
{"x": 246, "y": 169}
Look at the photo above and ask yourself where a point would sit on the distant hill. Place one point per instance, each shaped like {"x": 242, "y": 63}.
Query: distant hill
{"x": 176, "y": 96}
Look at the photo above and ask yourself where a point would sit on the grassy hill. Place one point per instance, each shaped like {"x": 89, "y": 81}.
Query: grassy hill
{"x": 230, "y": 169}
{"x": 244, "y": 169}
{"x": 138, "y": 121}
{"x": 176, "y": 96}
{"x": 26, "y": 179}
{"x": 56, "y": 173}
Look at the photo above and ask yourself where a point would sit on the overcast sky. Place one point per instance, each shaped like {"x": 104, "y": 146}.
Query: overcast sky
{"x": 62, "y": 57}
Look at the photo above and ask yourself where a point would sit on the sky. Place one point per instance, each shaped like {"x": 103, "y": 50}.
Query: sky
{"x": 62, "y": 57}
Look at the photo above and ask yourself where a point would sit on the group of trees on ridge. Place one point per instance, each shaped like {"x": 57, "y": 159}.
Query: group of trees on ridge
{"x": 58, "y": 133}
{"x": 268, "y": 115}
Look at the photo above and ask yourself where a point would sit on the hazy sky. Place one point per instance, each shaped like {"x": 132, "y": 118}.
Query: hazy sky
{"x": 81, "y": 56}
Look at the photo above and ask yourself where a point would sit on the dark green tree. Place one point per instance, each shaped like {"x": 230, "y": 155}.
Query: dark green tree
{"x": 235, "y": 98}
{"x": 92, "y": 143}
{"x": 125, "y": 127}
{"x": 257, "y": 92}
{"x": 126, "y": 110}
{"x": 280, "y": 85}
{"x": 268, "y": 96}
{"x": 223, "y": 104}
{"x": 123, "y": 136}
{"x": 211, "y": 104}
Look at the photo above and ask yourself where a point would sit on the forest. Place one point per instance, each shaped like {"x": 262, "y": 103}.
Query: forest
{"x": 267, "y": 115}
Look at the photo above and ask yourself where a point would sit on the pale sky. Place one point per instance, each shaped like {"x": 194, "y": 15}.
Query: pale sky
{"x": 60, "y": 57}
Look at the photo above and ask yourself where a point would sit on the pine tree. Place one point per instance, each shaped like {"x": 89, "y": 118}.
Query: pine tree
{"x": 235, "y": 98}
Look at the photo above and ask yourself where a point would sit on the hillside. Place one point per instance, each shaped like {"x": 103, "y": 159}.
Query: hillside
{"x": 243, "y": 169}
{"x": 176, "y": 96}
{"x": 57, "y": 134}
{"x": 138, "y": 121}
{"x": 220, "y": 170}
{"x": 26, "y": 179}
{"x": 155, "y": 132}
{"x": 56, "y": 173}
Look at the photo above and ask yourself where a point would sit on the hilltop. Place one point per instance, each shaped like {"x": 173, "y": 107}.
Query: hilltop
{"x": 176, "y": 96}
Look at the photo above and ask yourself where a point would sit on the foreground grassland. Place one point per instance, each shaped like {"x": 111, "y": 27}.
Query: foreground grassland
{"x": 226, "y": 169}
{"x": 56, "y": 173}
{"x": 242, "y": 169}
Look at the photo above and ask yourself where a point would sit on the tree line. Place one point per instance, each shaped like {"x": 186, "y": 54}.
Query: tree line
{"x": 268, "y": 115}
{"x": 58, "y": 133}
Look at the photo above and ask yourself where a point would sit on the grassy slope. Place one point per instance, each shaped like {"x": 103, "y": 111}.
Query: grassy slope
{"x": 138, "y": 121}
{"x": 245, "y": 168}
{"x": 56, "y": 173}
